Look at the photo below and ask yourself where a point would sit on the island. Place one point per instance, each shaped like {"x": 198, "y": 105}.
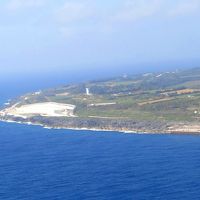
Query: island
{"x": 167, "y": 102}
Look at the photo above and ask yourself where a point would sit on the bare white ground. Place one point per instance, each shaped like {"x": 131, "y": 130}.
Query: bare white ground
{"x": 50, "y": 109}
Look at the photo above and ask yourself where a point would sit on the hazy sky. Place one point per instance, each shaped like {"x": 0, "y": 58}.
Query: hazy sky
{"x": 49, "y": 35}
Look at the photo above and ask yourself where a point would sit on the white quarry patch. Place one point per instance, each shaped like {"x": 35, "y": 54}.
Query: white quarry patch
{"x": 48, "y": 109}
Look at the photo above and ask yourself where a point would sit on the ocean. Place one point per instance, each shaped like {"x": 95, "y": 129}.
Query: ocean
{"x": 46, "y": 164}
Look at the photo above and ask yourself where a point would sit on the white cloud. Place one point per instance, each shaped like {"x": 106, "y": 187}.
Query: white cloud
{"x": 74, "y": 11}
{"x": 185, "y": 7}
{"x": 80, "y": 16}
{"x": 15, "y": 5}
{"x": 137, "y": 9}
{"x": 76, "y": 16}
{"x": 67, "y": 32}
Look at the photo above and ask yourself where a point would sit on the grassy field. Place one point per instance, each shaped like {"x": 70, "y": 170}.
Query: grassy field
{"x": 170, "y": 96}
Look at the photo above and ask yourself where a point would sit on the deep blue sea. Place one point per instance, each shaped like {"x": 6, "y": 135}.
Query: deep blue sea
{"x": 43, "y": 164}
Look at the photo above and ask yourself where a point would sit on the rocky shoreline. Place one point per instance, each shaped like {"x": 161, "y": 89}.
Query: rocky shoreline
{"x": 123, "y": 126}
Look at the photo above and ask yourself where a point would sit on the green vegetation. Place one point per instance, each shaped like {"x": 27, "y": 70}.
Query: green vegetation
{"x": 169, "y": 96}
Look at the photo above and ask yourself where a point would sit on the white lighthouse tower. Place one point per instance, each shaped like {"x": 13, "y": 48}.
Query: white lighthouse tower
{"x": 87, "y": 92}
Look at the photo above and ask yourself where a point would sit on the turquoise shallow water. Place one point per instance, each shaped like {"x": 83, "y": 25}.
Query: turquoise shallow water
{"x": 37, "y": 163}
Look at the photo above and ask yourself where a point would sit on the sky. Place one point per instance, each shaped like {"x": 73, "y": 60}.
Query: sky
{"x": 67, "y": 36}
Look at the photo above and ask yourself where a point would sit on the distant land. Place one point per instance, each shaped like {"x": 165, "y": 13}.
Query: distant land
{"x": 166, "y": 102}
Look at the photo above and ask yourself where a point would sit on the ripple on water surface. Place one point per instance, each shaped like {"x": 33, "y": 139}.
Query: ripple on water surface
{"x": 38, "y": 163}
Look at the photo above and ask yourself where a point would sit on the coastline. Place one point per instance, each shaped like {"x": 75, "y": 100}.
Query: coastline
{"x": 140, "y": 132}
{"x": 75, "y": 128}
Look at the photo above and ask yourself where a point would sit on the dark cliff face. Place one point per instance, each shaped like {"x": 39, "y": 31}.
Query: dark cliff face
{"x": 104, "y": 124}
